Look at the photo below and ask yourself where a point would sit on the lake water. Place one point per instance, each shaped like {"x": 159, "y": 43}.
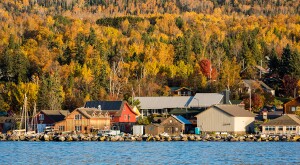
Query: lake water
{"x": 149, "y": 153}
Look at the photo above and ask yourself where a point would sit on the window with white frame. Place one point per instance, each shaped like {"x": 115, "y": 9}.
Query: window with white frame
{"x": 41, "y": 117}
{"x": 291, "y": 128}
{"x": 77, "y": 128}
{"x": 280, "y": 128}
{"x": 293, "y": 109}
{"x": 269, "y": 128}
{"x": 78, "y": 117}
{"x": 61, "y": 128}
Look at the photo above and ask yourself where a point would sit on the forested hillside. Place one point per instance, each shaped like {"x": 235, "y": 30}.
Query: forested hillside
{"x": 64, "y": 52}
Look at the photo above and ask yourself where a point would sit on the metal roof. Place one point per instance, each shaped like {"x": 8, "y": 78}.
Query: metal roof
{"x": 104, "y": 105}
{"x": 206, "y": 99}
{"x": 164, "y": 102}
{"x": 182, "y": 119}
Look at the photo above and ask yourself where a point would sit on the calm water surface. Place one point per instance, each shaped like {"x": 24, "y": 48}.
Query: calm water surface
{"x": 149, "y": 153}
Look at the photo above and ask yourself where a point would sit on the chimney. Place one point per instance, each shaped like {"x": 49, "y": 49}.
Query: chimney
{"x": 226, "y": 97}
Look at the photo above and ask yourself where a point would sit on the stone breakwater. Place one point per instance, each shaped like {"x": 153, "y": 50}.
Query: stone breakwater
{"x": 149, "y": 138}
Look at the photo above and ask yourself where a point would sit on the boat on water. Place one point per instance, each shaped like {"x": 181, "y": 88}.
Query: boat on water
{"x": 26, "y": 127}
{"x": 109, "y": 133}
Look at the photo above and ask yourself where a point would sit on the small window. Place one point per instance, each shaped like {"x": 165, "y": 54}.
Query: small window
{"x": 280, "y": 128}
{"x": 78, "y": 117}
{"x": 41, "y": 117}
{"x": 293, "y": 109}
{"x": 269, "y": 128}
{"x": 77, "y": 128}
{"x": 61, "y": 128}
{"x": 125, "y": 117}
{"x": 291, "y": 128}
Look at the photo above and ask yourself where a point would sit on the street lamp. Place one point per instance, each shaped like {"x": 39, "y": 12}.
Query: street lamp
{"x": 198, "y": 101}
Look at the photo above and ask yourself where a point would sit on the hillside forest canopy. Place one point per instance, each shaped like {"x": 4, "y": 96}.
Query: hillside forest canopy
{"x": 61, "y": 53}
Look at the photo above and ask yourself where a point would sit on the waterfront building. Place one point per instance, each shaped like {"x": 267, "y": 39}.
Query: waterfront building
{"x": 175, "y": 125}
{"x": 286, "y": 124}
{"x": 163, "y": 105}
{"x": 47, "y": 118}
{"x": 84, "y": 120}
{"x": 226, "y": 118}
{"x": 122, "y": 116}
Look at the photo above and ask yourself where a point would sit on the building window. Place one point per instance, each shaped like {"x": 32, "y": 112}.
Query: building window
{"x": 293, "y": 109}
{"x": 280, "y": 128}
{"x": 128, "y": 117}
{"x": 41, "y": 117}
{"x": 269, "y": 128}
{"x": 125, "y": 117}
{"x": 291, "y": 128}
{"x": 77, "y": 128}
{"x": 61, "y": 128}
{"x": 78, "y": 117}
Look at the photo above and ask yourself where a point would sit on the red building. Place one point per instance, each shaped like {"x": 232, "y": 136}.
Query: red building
{"x": 46, "y": 118}
{"x": 122, "y": 116}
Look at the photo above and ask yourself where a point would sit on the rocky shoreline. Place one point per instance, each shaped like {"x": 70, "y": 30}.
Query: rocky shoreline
{"x": 150, "y": 138}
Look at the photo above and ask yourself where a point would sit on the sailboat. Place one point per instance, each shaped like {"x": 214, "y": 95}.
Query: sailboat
{"x": 25, "y": 128}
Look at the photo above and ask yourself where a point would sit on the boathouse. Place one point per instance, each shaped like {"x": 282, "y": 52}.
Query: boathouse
{"x": 226, "y": 118}
{"x": 84, "y": 120}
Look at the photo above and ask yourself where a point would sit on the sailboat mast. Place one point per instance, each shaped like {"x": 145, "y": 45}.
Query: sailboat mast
{"x": 25, "y": 112}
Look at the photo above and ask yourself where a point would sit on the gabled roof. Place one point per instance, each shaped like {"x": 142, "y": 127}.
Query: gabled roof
{"x": 182, "y": 119}
{"x": 92, "y": 112}
{"x": 115, "y": 107}
{"x": 206, "y": 99}
{"x": 163, "y": 102}
{"x": 249, "y": 83}
{"x": 179, "y": 88}
{"x": 285, "y": 120}
{"x": 234, "y": 110}
{"x": 56, "y": 115}
{"x": 105, "y": 105}
{"x": 297, "y": 99}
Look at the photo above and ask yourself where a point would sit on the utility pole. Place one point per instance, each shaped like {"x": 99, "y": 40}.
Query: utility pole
{"x": 250, "y": 100}
{"x": 260, "y": 69}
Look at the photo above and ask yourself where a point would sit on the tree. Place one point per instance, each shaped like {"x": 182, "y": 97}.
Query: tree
{"x": 230, "y": 72}
{"x": 286, "y": 59}
{"x": 51, "y": 94}
{"x": 274, "y": 62}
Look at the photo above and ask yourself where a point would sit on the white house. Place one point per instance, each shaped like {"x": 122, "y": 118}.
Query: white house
{"x": 226, "y": 118}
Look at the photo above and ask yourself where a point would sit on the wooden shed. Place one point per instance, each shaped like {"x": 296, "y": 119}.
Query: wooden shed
{"x": 175, "y": 125}
{"x": 154, "y": 129}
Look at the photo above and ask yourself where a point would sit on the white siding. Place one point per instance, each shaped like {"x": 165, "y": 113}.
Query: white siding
{"x": 243, "y": 124}
{"x": 214, "y": 120}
